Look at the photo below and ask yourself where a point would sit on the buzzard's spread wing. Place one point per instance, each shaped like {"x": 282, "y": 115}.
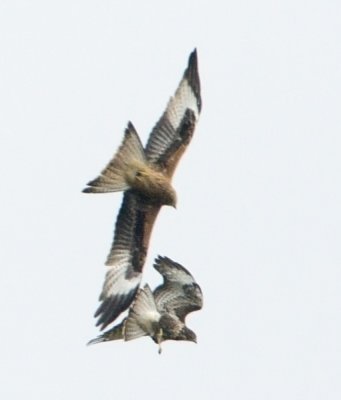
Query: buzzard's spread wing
{"x": 127, "y": 256}
{"x": 174, "y": 130}
{"x": 179, "y": 293}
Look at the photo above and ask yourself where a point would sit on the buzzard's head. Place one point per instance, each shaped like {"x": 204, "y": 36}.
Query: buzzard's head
{"x": 172, "y": 333}
{"x": 187, "y": 334}
{"x": 173, "y": 328}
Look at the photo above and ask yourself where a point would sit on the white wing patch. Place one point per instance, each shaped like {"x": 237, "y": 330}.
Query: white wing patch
{"x": 118, "y": 280}
{"x": 183, "y": 99}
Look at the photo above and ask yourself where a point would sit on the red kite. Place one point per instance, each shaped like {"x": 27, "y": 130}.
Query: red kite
{"x": 144, "y": 174}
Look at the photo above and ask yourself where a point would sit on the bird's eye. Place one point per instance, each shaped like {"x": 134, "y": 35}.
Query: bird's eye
{"x": 138, "y": 174}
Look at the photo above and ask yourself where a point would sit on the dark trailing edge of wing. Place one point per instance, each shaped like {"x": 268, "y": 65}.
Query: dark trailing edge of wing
{"x": 183, "y": 136}
{"x": 129, "y": 231}
{"x": 139, "y": 252}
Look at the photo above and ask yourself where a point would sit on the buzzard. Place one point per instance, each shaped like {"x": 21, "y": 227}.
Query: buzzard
{"x": 160, "y": 314}
{"x": 144, "y": 174}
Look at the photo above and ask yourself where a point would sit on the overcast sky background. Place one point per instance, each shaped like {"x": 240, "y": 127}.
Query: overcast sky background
{"x": 258, "y": 220}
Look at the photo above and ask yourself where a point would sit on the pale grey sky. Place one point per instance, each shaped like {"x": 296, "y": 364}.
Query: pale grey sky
{"x": 258, "y": 220}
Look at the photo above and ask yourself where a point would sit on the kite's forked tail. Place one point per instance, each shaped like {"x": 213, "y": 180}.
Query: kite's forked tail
{"x": 116, "y": 176}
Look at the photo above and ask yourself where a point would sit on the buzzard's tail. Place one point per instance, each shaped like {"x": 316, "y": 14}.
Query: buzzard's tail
{"x": 115, "y": 333}
{"x": 143, "y": 316}
{"x": 115, "y": 176}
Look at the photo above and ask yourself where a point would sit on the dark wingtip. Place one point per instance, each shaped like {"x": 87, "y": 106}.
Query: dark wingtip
{"x": 159, "y": 259}
{"x": 162, "y": 263}
{"x": 158, "y": 262}
{"x": 192, "y": 76}
{"x": 107, "y": 312}
{"x": 193, "y": 58}
{"x": 112, "y": 307}
{"x": 130, "y": 128}
{"x": 94, "y": 341}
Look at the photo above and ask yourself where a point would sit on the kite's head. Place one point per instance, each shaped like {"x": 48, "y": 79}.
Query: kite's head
{"x": 169, "y": 198}
{"x": 154, "y": 186}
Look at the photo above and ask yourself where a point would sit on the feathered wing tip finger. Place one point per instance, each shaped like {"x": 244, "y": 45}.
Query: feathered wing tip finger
{"x": 172, "y": 271}
{"x": 112, "y": 306}
{"x": 192, "y": 76}
{"x": 113, "y": 178}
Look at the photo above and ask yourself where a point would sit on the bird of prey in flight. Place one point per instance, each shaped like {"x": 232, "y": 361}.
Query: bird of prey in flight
{"x": 160, "y": 314}
{"x": 144, "y": 174}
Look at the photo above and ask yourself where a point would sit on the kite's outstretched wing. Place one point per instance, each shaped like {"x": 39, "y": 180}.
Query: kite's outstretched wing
{"x": 174, "y": 130}
{"x": 126, "y": 258}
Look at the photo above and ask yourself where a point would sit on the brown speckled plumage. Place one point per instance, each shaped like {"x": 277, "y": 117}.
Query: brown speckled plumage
{"x": 160, "y": 314}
